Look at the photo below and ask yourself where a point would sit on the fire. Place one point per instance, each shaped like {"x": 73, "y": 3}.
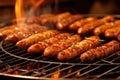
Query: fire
{"x": 57, "y": 74}
{"x": 19, "y": 11}
{"x": 77, "y": 74}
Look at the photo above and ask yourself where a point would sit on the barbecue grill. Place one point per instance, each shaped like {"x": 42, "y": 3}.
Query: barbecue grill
{"x": 18, "y": 63}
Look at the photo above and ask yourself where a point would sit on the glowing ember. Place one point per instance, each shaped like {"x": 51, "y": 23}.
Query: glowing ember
{"x": 77, "y": 74}
{"x": 57, "y": 74}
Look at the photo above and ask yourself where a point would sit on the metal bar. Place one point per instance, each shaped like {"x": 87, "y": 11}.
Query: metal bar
{"x": 107, "y": 72}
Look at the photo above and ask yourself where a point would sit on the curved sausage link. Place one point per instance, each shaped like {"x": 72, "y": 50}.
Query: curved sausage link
{"x": 25, "y": 43}
{"x": 56, "y": 18}
{"x": 100, "y": 52}
{"x": 64, "y": 24}
{"x": 39, "y": 47}
{"x": 5, "y": 31}
{"x": 32, "y": 29}
{"x": 88, "y": 28}
{"x": 78, "y": 48}
{"x": 101, "y": 29}
{"x": 74, "y": 26}
{"x": 54, "y": 49}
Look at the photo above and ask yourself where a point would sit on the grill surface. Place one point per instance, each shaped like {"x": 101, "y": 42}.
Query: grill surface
{"x": 17, "y": 63}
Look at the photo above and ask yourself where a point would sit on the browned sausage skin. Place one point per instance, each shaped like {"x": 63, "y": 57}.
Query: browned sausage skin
{"x": 25, "y": 43}
{"x": 40, "y": 46}
{"x": 56, "y": 18}
{"x": 101, "y": 29}
{"x": 74, "y": 26}
{"x": 6, "y": 31}
{"x": 100, "y": 52}
{"x": 64, "y": 24}
{"x": 32, "y": 29}
{"x": 91, "y": 26}
{"x": 38, "y": 19}
{"x": 114, "y": 31}
{"x": 53, "y": 50}
{"x": 78, "y": 48}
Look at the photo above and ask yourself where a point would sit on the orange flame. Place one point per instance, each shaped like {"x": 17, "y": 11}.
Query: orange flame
{"x": 77, "y": 74}
{"x": 19, "y": 11}
{"x": 57, "y": 74}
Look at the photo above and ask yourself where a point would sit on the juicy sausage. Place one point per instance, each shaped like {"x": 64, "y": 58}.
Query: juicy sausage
{"x": 54, "y": 49}
{"x": 64, "y": 24}
{"x": 100, "y": 52}
{"x": 91, "y": 26}
{"x": 32, "y": 29}
{"x": 78, "y": 48}
{"x": 25, "y": 43}
{"x": 38, "y": 19}
{"x": 113, "y": 32}
{"x": 56, "y": 18}
{"x": 74, "y": 26}
{"x": 101, "y": 29}
{"x": 4, "y": 32}
{"x": 39, "y": 47}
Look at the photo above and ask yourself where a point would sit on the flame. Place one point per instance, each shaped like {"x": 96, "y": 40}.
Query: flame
{"x": 77, "y": 74}
{"x": 19, "y": 11}
{"x": 57, "y": 74}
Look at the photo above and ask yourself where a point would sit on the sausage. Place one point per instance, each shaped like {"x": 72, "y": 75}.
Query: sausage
{"x": 64, "y": 24}
{"x": 25, "y": 43}
{"x": 74, "y": 26}
{"x": 4, "y": 32}
{"x": 32, "y": 29}
{"x": 38, "y": 19}
{"x": 88, "y": 28}
{"x": 100, "y": 52}
{"x": 56, "y": 18}
{"x": 101, "y": 29}
{"x": 54, "y": 49}
{"x": 112, "y": 32}
{"x": 118, "y": 37}
{"x": 78, "y": 48}
{"x": 40, "y": 46}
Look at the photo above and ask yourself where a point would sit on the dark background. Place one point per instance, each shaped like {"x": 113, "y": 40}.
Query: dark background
{"x": 57, "y": 6}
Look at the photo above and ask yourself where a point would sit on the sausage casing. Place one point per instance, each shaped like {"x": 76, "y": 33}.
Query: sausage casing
{"x": 64, "y": 24}
{"x": 56, "y": 18}
{"x": 32, "y": 29}
{"x": 40, "y": 46}
{"x": 101, "y": 29}
{"x": 25, "y": 43}
{"x": 91, "y": 26}
{"x": 78, "y": 48}
{"x": 74, "y": 26}
{"x": 100, "y": 52}
{"x": 53, "y": 50}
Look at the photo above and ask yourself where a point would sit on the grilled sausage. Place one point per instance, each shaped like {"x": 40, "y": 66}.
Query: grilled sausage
{"x": 55, "y": 19}
{"x": 74, "y": 26}
{"x": 63, "y": 24}
{"x": 32, "y": 29}
{"x": 113, "y": 32}
{"x": 39, "y": 47}
{"x": 101, "y": 29}
{"x": 118, "y": 37}
{"x": 54, "y": 49}
{"x": 4, "y": 32}
{"x": 91, "y": 26}
{"x": 78, "y": 48}
{"x": 100, "y": 52}
{"x": 25, "y": 43}
{"x": 38, "y": 19}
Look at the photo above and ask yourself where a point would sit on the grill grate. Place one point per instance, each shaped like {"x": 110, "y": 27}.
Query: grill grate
{"x": 17, "y": 63}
